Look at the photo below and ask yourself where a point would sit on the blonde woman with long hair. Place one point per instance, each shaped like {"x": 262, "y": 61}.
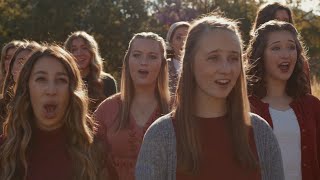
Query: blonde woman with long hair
{"x": 100, "y": 85}
{"x": 210, "y": 134}
{"x": 144, "y": 97}
{"x": 48, "y": 133}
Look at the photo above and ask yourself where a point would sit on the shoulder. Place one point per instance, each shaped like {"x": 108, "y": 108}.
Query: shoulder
{"x": 108, "y": 107}
{"x": 308, "y": 98}
{"x": 260, "y": 125}
{"x": 162, "y": 128}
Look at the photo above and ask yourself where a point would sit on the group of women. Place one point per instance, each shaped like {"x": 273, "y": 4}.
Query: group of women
{"x": 183, "y": 110}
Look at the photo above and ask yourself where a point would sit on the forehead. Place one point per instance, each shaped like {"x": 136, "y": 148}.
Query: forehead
{"x": 49, "y": 65}
{"x": 181, "y": 30}
{"x": 78, "y": 41}
{"x": 146, "y": 45}
{"x": 23, "y": 53}
{"x": 11, "y": 50}
{"x": 219, "y": 39}
{"x": 282, "y": 12}
{"x": 280, "y": 36}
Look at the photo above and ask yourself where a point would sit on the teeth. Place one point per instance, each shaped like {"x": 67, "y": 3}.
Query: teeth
{"x": 284, "y": 64}
{"x": 223, "y": 81}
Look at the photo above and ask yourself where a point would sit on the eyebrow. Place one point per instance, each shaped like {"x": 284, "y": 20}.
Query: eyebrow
{"x": 217, "y": 50}
{"x": 279, "y": 41}
{"x": 45, "y": 73}
{"x": 148, "y": 53}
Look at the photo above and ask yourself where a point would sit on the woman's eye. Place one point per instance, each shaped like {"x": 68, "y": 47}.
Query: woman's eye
{"x": 40, "y": 79}
{"x": 292, "y": 47}
{"x": 234, "y": 59}
{"x": 153, "y": 57}
{"x": 276, "y": 48}
{"x": 136, "y": 55}
{"x": 212, "y": 58}
{"x": 63, "y": 80}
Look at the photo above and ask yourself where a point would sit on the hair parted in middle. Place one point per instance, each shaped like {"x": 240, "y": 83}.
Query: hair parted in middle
{"x": 297, "y": 84}
{"x": 267, "y": 12}
{"x": 9, "y": 83}
{"x": 95, "y": 84}
{"x": 188, "y": 145}
{"x": 127, "y": 87}
{"x": 20, "y": 123}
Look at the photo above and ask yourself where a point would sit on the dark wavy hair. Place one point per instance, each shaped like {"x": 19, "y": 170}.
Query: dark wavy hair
{"x": 267, "y": 12}
{"x": 297, "y": 84}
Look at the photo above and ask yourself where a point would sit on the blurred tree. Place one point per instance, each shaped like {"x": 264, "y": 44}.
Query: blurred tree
{"x": 113, "y": 22}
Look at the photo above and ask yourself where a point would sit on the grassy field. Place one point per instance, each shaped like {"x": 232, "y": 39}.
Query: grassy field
{"x": 315, "y": 86}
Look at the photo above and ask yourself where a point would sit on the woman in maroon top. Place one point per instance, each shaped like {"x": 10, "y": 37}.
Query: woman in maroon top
{"x": 47, "y": 134}
{"x": 279, "y": 93}
{"x": 144, "y": 96}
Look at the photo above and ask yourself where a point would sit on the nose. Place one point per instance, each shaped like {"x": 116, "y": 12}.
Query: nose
{"x": 225, "y": 66}
{"x": 51, "y": 89}
{"x": 77, "y": 52}
{"x": 285, "y": 53}
{"x": 144, "y": 60}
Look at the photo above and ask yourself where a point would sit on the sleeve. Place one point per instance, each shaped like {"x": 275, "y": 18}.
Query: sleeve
{"x": 270, "y": 158}
{"x": 152, "y": 160}
{"x": 316, "y": 110}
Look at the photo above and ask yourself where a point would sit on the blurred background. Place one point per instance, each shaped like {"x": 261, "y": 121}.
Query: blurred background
{"x": 113, "y": 22}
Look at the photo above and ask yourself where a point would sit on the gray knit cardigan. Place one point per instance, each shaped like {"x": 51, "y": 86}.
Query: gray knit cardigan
{"x": 157, "y": 159}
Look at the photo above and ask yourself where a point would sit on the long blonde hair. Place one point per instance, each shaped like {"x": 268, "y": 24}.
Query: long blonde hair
{"x": 95, "y": 84}
{"x": 188, "y": 147}
{"x": 18, "y": 126}
{"x": 127, "y": 87}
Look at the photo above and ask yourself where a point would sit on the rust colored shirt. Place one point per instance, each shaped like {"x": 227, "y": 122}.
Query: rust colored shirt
{"x": 217, "y": 158}
{"x": 125, "y": 144}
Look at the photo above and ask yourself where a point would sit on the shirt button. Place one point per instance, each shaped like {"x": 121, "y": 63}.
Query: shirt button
{"x": 304, "y": 165}
{"x": 304, "y": 147}
{"x": 303, "y": 130}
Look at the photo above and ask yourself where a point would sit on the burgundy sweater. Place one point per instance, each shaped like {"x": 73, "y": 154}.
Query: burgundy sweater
{"x": 48, "y": 157}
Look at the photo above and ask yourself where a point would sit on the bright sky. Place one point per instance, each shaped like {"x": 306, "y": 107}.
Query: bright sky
{"x": 306, "y": 5}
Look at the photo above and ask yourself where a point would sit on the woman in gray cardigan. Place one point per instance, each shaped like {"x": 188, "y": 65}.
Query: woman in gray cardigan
{"x": 210, "y": 134}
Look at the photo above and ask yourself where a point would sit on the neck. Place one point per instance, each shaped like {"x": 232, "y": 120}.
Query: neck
{"x": 208, "y": 106}
{"x": 276, "y": 95}
{"x": 276, "y": 88}
{"x": 144, "y": 94}
{"x": 84, "y": 72}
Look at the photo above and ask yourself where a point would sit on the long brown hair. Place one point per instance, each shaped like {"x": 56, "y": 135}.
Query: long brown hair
{"x": 297, "y": 85}
{"x": 127, "y": 87}
{"x": 267, "y": 12}
{"x": 12, "y": 44}
{"x": 79, "y": 126}
{"x": 188, "y": 147}
{"x": 9, "y": 83}
{"x": 96, "y": 74}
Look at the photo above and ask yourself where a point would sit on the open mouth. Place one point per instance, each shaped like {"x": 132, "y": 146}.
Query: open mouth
{"x": 284, "y": 66}
{"x": 222, "y": 82}
{"x": 143, "y": 72}
{"x": 50, "y": 110}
